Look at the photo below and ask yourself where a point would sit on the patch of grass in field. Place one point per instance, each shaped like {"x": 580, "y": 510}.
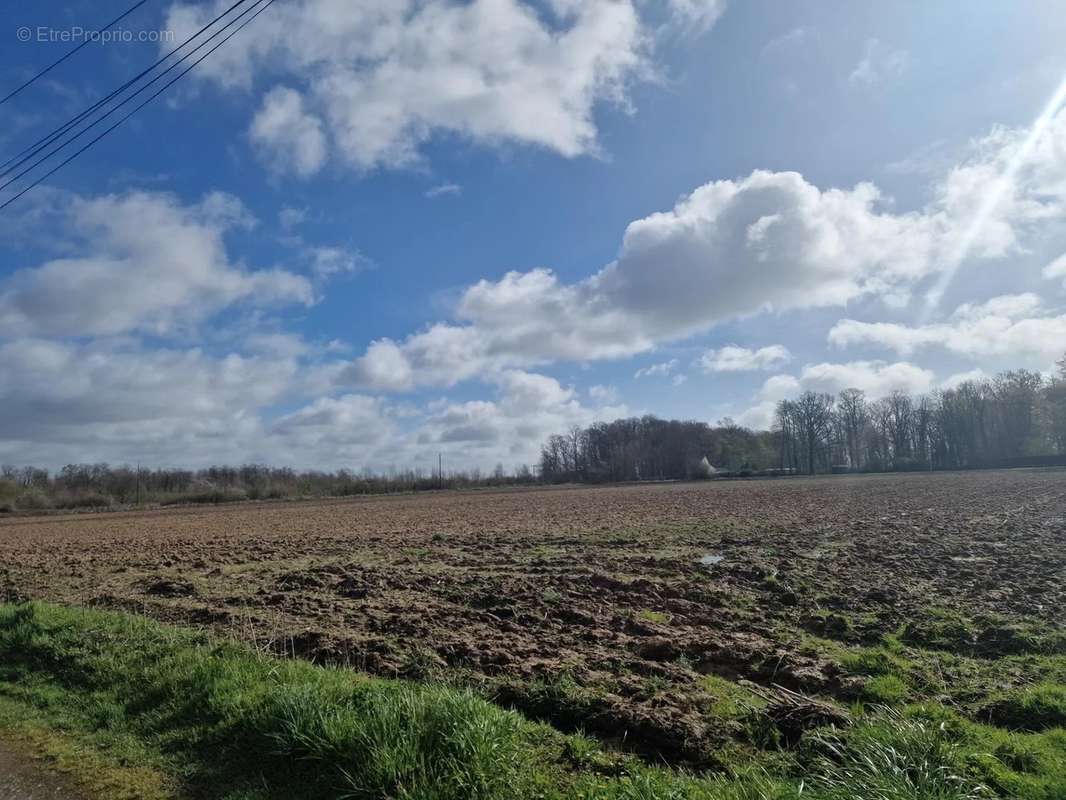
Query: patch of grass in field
{"x": 729, "y": 700}
{"x": 1028, "y": 766}
{"x": 1034, "y": 708}
{"x": 655, "y": 617}
{"x": 889, "y": 690}
{"x": 212, "y": 719}
{"x": 123, "y": 770}
{"x": 987, "y": 636}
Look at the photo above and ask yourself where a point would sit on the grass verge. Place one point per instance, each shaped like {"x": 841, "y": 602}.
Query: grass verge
{"x": 173, "y": 713}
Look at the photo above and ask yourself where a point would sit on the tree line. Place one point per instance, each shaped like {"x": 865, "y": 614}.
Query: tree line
{"x": 649, "y": 448}
{"x": 102, "y": 486}
{"x": 1015, "y": 418}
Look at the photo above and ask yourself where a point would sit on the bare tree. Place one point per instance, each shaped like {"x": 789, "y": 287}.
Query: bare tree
{"x": 854, "y": 418}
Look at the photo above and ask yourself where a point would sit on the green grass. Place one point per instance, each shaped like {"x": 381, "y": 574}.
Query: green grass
{"x": 1033, "y": 708}
{"x": 161, "y": 712}
{"x": 889, "y": 690}
{"x": 656, "y": 617}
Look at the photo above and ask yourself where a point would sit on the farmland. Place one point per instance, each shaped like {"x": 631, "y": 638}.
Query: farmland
{"x": 638, "y": 611}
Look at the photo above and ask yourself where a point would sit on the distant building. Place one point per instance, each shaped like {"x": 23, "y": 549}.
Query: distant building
{"x": 707, "y": 469}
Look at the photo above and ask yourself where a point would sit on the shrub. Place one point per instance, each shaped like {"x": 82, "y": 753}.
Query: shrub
{"x": 90, "y": 500}
{"x": 32, "y": 499}
{"x": 208, "y": 496}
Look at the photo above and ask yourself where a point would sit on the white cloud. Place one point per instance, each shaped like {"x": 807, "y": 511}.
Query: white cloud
{"x": 697, "y": 15}
{"x": 333, "y": 424}
{"x": 96, "y": 396}
{"x": 146, "y": 263}
{"x": 793, "y": 37}
{"x": 1056, "y": 269}
{"x": 770, "y": 242}
{"x": 284, "y": 345}
{"x": 443, "y": 189}
{"x": 876, "y": 378}
{"x": 953, "y": 380}
{"x": 604, "y": 395}
{"x": 661, "y": 369}
{"x": 66, "y": 402}
{"x": 759, "y": 417}
{"x": 529, "y": 407}
{"x": 1009, "y": 325}
{"x": 931, "y": 159}
{"x": 879, "y": 63}
{"x": 290, "y": 218}
{"x": 677, "y": 380}
{"x": 740, "y": 359}
{"x": 779, "y": 387}
{"x": 289, "y": 138}
{"x": 327, "y": 262}
{"x": 379, "y": 79}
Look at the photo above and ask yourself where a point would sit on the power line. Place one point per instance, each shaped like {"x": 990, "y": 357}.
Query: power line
{"x": 29, "y": 152}
{"x": 63, "y": 58}
{"x": 170, "y": 83}
{"x": 125, "y": 101}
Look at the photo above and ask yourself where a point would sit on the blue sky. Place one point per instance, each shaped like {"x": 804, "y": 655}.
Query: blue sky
{"x": 362, "y": 233}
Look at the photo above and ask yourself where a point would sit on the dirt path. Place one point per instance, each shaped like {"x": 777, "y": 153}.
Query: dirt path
{"x": 24, "y": 778}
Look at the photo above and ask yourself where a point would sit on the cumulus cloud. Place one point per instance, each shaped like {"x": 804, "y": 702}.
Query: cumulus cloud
{"x": 1010, "y": 325}
{"x": 377, "y": 80}
{"x": 289, "y": 138}
{"x": 661, "y": 369}
{"x": 89, "y": 396}
{"x": 528, "y": 408}
{"x": 769, "y": 242}
{"x": 146, "y": 263}
{"x": 1056, "y": 269}
{"x": 327, "y": 422}
{"x": 876, "y": 378}
{"x": 957, "y": 378}
{"x": 604, "y": 395}
{"x": 67, "y": 402}
{"x": 740, "y": 359}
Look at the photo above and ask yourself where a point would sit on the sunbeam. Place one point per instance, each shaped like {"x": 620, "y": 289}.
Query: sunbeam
{"x": 995, "y": 196}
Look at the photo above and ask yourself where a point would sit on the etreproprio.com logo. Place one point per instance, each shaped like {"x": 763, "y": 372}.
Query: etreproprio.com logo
{"x": 77, "y": 35}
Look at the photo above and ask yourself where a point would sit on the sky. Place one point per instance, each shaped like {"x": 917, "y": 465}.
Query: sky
{"x": 363, "y": 233}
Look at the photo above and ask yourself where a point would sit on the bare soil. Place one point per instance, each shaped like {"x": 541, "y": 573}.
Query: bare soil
{"x": 588, "y": 606}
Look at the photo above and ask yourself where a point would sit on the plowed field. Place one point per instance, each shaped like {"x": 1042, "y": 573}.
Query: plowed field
{"x": 650, "y": 614}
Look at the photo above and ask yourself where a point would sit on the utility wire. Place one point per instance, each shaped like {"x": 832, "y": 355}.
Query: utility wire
{"x": 126, "y": 100}
{"x": 170, "y": 83}
{"x": 63, "y": 58}
{"x": 29, "y": 152}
